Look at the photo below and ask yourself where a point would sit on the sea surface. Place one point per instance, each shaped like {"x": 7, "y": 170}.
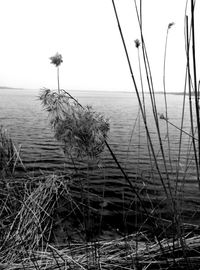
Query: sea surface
{"x": 27, "y": 122}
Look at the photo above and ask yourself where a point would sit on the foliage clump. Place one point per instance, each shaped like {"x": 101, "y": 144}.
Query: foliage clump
{"x": 81, "y": 130}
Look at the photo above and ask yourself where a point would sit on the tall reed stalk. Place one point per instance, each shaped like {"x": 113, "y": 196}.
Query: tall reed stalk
{"x": 190, "y": 98}
{"x": 140, "y": 104}
{"x": 57, "y": 60}
{"x": 166, "y": 181}
{"x": 195, "y": 84}
{"x": 137, "y": 45}
{"x": 165, "y": 96}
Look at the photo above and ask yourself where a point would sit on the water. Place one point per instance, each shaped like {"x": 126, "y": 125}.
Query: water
{"x": 23, "y": 116}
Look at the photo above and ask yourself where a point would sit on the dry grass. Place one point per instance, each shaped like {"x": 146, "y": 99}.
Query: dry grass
{"x": 28, "y": 208}
{"x": 122, "y": 253}
{"x": 9, "y": 154}
{"x": 27, "y": 241}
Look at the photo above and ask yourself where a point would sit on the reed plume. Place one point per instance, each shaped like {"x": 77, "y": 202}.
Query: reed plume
{"x": 57, "y": 60}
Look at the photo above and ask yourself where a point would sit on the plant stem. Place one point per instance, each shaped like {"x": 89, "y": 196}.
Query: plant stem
{"x": 58, "y": 80}
{"x": 190, "y": 101}
{"x": 165, "y": 97}
{"x": 195, "y": 82}
{"x": 154, "y": 107}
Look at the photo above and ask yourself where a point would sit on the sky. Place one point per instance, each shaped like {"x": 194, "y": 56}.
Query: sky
{"x": 85, "y": 32}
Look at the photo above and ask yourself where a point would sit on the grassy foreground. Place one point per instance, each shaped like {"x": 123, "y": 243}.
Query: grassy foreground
{"x": 31, "y": 210}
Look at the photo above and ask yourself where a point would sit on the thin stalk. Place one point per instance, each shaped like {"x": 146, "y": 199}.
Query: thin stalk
{"x": 72, "y": 97}
{"x": 152, "y": 96}
{"x": 181, "y": 134}
{"x": 195, "y": 83}
{"x": 141, "y": 13}
{"x": 139, "y": 100}
{"x": 139, "y": 141}
{"x": 58, "y": 79}
{"x": 141, "y": 81}
{"x": 130, "y": 140}
{"x": 181, "y": 130}
{"x": 143, "y": 99}
{"x": 165, "y": 96}
{"x": 155, "y": 112}
{"x": 154, "y": 109}
{"x": 142, "y": 112}
{"x": 183, "y": 107}
{"x": 190, "y": 99}
{"x": 198, "y": 92}
{"x": 126, "y": 177}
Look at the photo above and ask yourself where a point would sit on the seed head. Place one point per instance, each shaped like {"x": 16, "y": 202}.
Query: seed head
{"x": 137, "y": 43}
{"x": 170, "y": 25}
{"x": 56, "y": 59}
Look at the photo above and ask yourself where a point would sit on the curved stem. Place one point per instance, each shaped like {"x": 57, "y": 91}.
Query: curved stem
{"x": 165, "y": 97}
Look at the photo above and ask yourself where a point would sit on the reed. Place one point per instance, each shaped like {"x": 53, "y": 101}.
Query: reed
{"x": 81, "y": 130}
{"x": 166, "y": 181}
{"x": 57, "y": 60}
{"x": 165, "y": 96}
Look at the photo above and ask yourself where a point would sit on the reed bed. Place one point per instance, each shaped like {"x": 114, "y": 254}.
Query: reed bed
{"x": 132, "y": 252}
{"x": 28, "y": 242}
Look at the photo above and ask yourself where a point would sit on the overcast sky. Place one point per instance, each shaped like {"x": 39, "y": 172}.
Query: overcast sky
{"x": 85, "y": 33}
